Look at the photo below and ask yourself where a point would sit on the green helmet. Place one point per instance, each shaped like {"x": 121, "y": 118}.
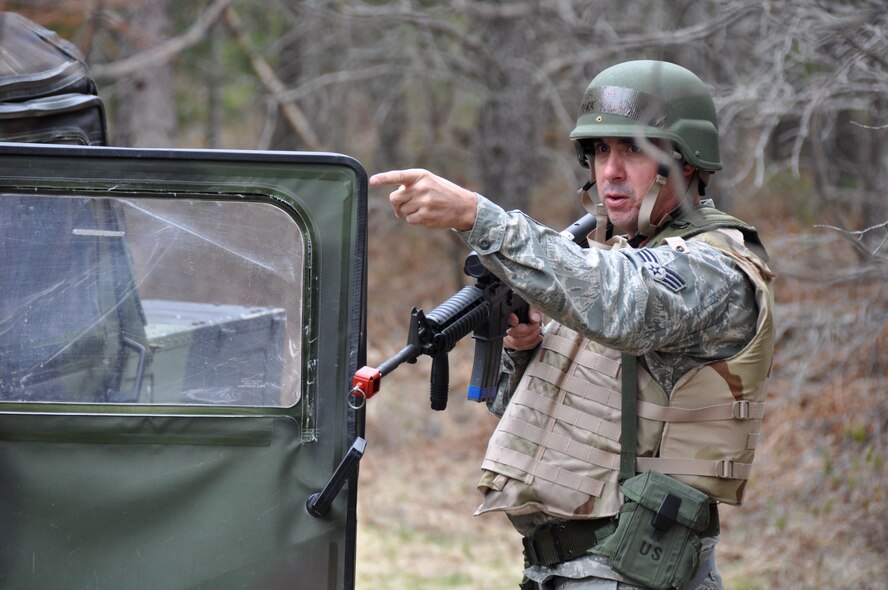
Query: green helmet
{"x": 652, "y": 99}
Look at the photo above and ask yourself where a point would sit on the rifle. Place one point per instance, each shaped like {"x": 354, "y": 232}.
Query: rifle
{"x": 482, "y": 308}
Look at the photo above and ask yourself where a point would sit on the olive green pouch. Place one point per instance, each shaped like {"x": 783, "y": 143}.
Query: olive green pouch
{"x": 657, "y": 540}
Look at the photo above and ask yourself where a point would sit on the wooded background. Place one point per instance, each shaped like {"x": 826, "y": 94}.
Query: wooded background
{"x": 485, "y": 93}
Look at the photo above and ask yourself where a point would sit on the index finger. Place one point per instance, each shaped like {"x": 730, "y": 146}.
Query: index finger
{"x": 403, "y": 177}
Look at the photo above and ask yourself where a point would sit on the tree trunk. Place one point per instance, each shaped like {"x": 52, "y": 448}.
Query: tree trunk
{"x": 509, "y": 120}
{"x": 146, "y": 112}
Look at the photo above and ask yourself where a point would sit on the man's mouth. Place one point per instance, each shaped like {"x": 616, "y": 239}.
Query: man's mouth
{"x": 616, "y": 193}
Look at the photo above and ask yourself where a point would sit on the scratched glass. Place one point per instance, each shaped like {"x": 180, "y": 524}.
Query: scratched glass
{"x": 149, "y": 301}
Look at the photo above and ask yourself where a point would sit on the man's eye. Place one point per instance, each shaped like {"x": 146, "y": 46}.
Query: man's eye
{"x": 634, "y": 149}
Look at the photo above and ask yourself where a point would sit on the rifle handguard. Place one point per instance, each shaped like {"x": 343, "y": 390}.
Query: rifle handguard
{"x": 456, "y": 318}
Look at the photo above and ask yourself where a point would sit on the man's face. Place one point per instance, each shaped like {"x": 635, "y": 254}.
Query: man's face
{"x": 624, "y": 173}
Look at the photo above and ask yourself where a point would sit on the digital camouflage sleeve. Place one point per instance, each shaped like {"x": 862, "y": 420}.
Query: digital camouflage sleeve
{"x": 677, "y": 310}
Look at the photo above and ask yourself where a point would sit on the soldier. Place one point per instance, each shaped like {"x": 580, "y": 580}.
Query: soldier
{"x": 664, "y": 335}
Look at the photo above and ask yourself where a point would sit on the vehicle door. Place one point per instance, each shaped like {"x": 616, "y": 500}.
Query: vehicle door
{"x": 178, "y": 334}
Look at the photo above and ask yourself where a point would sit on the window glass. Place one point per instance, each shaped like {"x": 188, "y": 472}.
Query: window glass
{"x": 149, "y": 301}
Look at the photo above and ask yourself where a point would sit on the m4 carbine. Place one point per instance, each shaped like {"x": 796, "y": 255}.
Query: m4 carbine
{"x": 482, "y": 308}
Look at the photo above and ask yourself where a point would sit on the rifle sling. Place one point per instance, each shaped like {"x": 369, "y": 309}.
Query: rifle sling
{"x": 629, "y": 417}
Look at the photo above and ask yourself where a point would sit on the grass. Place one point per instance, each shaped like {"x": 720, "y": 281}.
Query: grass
{"x": 415, "y": 525}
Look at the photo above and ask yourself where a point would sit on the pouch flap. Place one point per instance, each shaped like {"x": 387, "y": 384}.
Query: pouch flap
{"x": 651, "y": 488}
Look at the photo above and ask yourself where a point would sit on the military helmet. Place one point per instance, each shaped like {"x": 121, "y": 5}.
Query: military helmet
{"x": 653, "y": 99}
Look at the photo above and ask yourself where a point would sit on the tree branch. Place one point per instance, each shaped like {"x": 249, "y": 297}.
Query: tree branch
{"x": 167, "y": 50}
{"x": 292, "y": 113}
{"x": 649, "y": 39}
{"x": 857, "y": 238}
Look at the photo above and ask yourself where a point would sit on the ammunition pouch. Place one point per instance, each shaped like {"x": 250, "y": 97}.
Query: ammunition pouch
{"x": 657, "y": 541}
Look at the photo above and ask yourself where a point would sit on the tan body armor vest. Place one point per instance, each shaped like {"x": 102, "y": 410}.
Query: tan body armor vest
{"x": 557, "y": 447}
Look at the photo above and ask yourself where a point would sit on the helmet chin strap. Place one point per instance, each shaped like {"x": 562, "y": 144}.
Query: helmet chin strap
{"x": 646, "y": 226}
{"x": 597, "y": 209}
{"x": 595, "y": 206}
{"x": 650, "y": 200}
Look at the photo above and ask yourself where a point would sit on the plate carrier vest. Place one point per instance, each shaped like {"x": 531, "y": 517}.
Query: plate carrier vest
{"x": 557, "y": 447}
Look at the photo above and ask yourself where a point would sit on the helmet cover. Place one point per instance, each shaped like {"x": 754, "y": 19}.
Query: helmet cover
{"x": 655, "y": 100}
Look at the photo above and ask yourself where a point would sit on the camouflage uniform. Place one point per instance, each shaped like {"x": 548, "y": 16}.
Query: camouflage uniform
{"x": 616, "y": 299}
{"x": 674, "y": 312}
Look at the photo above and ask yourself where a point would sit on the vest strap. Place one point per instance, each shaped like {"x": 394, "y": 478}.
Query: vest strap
{"x": 564, "y": 346}
{"x": 738, "y": 410}
{"x": 752, "y": 441}
{"x": 571, "y": 416}
{"x": 560, "y": 443}
{"x": 581, "y": 356}
{"x": 549, "y": 473}
{"x": 574, "y": 385}
{"x": 720, "y": 469}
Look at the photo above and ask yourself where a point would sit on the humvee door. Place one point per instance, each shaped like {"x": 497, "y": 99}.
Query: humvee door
{"x": 178, "y": 334}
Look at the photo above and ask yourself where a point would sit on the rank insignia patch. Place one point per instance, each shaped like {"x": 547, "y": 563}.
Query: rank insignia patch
{"x": 660, "y": 273}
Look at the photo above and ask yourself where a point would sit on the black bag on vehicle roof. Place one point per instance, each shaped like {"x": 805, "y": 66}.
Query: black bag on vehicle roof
{"x": 46, "y": 92}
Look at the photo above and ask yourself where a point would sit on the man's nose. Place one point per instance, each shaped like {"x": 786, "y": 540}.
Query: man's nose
{"x": 614, "y": 168}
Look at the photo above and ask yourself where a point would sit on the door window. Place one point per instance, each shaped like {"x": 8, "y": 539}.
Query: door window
{"x": 141, "y": 300}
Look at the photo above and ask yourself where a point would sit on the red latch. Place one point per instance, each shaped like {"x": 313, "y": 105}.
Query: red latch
{"x": 367, "y": 380}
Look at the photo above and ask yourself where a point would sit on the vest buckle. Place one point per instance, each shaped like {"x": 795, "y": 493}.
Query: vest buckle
{"x": 740, "y": 410}
{"x": 725, "y": 469}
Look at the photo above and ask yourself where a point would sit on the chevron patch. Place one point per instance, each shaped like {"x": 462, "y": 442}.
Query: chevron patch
{"x": 660, "y": 273}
